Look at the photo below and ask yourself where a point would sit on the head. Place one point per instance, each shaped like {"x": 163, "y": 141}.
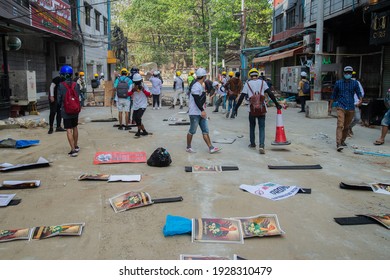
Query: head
{"x": 303, "y": 75}
{"x": 237, "y": 74}
{"x": 223, "y": 73}
{"x": 178, "y": 73}
{"x": 137, "y": 79}
{"x": 354, "y": 75}
{"x": 231, "y": 74}
{"x": 253, "y": 74}
{"x": 262, "y": 74}
{"x": 215, "y": 84}
{"x": 96, "y": 75}
{"x": 348, "y": 72}
{"x": 101, "y": 75}
{"x": 124, "y": 72}
{"x": 191, "y": 73}
{"x": 76, "y": 74}
{"x": 201, "y": 74}
{"x": 66, "y": 72}
{"x": 133, "y": 70}
{"x": 81, "y": 75}
{"x": 155, "y": 73}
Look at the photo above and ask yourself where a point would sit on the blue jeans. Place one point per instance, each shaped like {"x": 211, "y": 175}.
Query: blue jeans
{"x": 232, "y": 104}
{"x": 195, "y": 121}
{"x": 252, "y": 125}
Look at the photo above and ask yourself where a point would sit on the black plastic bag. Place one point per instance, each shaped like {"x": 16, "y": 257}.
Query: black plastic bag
{"x": 160, "y": 158}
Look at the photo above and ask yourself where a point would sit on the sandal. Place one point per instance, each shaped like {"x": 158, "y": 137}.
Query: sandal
{"x": 377, "y": 142}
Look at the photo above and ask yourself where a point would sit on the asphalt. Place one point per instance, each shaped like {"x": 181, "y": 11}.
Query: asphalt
{"x": 307, "y": 219}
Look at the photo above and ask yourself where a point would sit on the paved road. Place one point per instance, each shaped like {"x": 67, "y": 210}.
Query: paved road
{"x": 310, "y": 231}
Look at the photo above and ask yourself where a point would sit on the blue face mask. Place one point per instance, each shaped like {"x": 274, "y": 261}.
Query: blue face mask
{"x": 347, "y": 76}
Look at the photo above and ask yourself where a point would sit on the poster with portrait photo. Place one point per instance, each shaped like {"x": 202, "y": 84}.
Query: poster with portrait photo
{"x": 383, "y": 188}
{"x": 260, "y": 225}
{"x": 382, "y": 219}
{"x": 15, "y": 234}
{"x": 73, "y": 229}
{"x": 219, "y": 230}
{"x": 130, "y": 200}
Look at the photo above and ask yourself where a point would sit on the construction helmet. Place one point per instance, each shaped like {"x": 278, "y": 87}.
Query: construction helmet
{"x": 224, "y": 73}
{"x": 96, "y": 75}
{"x": 231, "y": 74}
{"x": 81, "y": 74}
{"x": 215, "y": 83}
{"x": 124, "y": 71}
{"x": 191, "y": 72}
{"x": 66, "y": 70}
{"x": 303, "y": 74}
{"x": 178, "y": 73}
{"x": 353, "y": 73}
{"x": 201, "y": 72}
{"x": 155, "y": 73}
{"x": 348, "y": 69}
{"x": 137, "y": 77}
{"x": 102, "y": 74}
{"x": 253, "y": 72}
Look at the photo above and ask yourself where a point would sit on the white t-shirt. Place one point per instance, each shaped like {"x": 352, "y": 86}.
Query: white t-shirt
{"x": 361, "y": 91}
{"x": 197, "y": 89}
{"x": 221, "y": 90}
{"x": 156, "y": 85}
{"x": 139, "y": 99}
{"x": 255, "y": 86}
{"x": 179, "y": 83}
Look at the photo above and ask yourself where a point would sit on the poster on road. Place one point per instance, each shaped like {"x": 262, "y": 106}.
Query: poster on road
{"x": 220, "y": 230}
{"x": 119, "y": 157}
{"x": 271, "y": 190}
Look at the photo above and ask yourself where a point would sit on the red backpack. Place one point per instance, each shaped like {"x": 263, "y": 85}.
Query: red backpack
{"x": 71, "y": 100}
{"x": 257, "y": 102}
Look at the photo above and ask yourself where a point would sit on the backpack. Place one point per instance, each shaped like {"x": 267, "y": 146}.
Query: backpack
{"x": 160, "y": 158}
{"x": 71, "y": 100}
{"x": 94, "y": 83}
{"x": 306, "y": 88}
{"x": 122, "y": 88}
{"x": 257, "y": 102}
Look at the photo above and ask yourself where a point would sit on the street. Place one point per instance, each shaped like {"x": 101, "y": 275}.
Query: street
{"x": 307, "y": 219}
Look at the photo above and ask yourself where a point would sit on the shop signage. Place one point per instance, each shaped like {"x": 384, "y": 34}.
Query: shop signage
{"x": 380, "y": 28}
{"x": 53, "y": 16}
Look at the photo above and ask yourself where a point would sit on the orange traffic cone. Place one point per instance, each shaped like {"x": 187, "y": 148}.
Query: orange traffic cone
{"x": 280, "y": 137}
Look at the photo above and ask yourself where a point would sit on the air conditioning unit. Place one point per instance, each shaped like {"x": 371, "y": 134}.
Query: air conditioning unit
{"x": 65, "y": 60}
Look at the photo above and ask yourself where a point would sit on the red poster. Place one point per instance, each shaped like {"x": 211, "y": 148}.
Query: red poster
{"x": 52, "y": 16}
{"x": 119, "y": 157}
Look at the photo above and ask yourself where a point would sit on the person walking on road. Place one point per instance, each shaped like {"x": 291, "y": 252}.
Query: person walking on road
{"x": 343, "y": 93}
{"x": 122, "y": 86}
{"x": 178, "y": 88}
{"x": 256, "y": 88}
{"x": 68, "y": 92}
{"x": 233, "y": 88}
{"x": 197, "y": 113}
{"x": 55, "y": 108}
{"x": 303, "y": 91}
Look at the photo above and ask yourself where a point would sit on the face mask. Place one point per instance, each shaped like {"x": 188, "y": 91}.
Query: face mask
{"x": 347, "y": 76}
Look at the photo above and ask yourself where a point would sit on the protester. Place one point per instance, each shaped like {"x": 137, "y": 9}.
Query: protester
{"x": 122, "y": 86}
{"x": 343, "y": 93}
{"x": 178, "y": 88}
{"x": 83, "y": 88}
{"x": 233, "y": 87}
{"x": 197, "y": 113}
{"x": 303, "y": 94}
{"x": 64, "y": 98}
{"x": 156, "y": 89}
{"x": 256, "y": 88}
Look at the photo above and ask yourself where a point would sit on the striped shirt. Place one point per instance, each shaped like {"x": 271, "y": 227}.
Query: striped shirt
{"x": 343, "y": 93}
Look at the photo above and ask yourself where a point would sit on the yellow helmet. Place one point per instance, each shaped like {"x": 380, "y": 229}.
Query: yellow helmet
{"x": 231, "y": 74}
{"x": 81, "y": 73}
{"x": 253, "y": 72}
{"x": 96, "y": 75}
{"x": 178, "y": 73}
{"x": 224, "y": 73}
{"x": 123, "y": 71}
{"x": 191, "y": 72}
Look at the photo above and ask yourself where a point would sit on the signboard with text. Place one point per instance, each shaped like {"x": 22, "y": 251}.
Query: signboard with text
{"x": 53, "y": 16}
{"x": 380, "y": 28}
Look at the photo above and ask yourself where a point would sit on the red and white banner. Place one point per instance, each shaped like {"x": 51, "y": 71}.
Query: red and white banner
{"x": 53, "y": 16}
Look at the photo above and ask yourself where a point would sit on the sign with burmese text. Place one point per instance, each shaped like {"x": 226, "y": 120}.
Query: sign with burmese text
{"x": 380, "y": 28}
{"x": 53, "y": 16}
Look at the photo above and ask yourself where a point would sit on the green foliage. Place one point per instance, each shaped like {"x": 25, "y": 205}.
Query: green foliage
{"x": 177, "y": 31}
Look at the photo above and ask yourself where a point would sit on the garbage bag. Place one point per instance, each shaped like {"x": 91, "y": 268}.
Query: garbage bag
{"x": 160, "y": 158}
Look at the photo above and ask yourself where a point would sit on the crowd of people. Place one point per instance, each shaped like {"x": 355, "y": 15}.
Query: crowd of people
{"x": 131, "y": 94}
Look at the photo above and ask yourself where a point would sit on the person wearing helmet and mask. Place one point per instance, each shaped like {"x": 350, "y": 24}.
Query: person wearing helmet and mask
{"x": 252, "y": 87}
{"x": 140, "y": 94}
{"x": 343, "y": 93}
{"x": 83, "y": 88}
{"x": 197, "y": 112}
{"x": 70, "y": 120}
{"x": 156, "y": 89}
{"x": 122, "y": 86}
{"x": 303, "y": 96}
{"x": 178, "y": 88}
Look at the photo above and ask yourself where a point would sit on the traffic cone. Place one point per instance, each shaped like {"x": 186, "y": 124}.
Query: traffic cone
{"x": 280, "y": 137}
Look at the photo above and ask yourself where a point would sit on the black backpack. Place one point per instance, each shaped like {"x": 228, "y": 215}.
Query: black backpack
{"x": 160, "y": 158}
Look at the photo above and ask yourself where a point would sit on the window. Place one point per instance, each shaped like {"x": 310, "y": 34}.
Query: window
{"x": 97, "y": 20}
{"x": 290, "y": 18}
{"x": 279, "y": 24}
{"x": 24, "y": 3}
{"x": 105, "y": 25}
{"x": 88, "y": 9}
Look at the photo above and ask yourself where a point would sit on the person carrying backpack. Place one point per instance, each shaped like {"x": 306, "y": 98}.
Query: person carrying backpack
{"x": 303, "y": 91}
{"x": 122, "y": 86}
{"x": 68, "y": 99}
{"x": 255, "y": 89}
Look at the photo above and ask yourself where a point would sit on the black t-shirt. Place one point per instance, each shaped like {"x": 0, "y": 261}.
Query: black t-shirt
{"x": 57, "y": 80}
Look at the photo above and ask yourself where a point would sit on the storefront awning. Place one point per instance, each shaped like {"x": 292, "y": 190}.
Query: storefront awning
{"x": 278, "y": 56}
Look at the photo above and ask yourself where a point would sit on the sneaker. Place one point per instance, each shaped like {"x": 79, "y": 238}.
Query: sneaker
{"x": 138, "y": 134}
{"x": 232, "y": 116}
{"x": 127, "y": 127}
{"x": 190, "y": 150}
{"x": 252, "y": 146}
{"x": 144, "y": 133}
{"x": 181, "y": 107}
{"x": 50, "y": 131}
{"x": 227, "y": 114}
{"x": 261, "y": 151}
{"x": 120, "y": 127}
{"x": 343, "y": 144}
{"x": 339, "y": 148}
{"x": 214, "y": 150}
{"x": 73, "y": 153}
{"x": 215, "y": 111}
{"x": 60, "y": 129}
{"x": 154, "y": 108}
{"x": 77, "y": 149}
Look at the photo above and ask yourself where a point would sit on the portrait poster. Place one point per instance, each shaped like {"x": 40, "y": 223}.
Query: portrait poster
{"x": 206, "y": 169}
{"x": 201, "y": 257}
{"x": 119, "y": 157}
{"x": 15, "y": 234}
{"x": 382, "y": 219}
{"x": 271, "y": 190}
{"x": 20, "y": 184}
{"x": 382, "y": 188}
{"x": 129, "y": 200}
{"x": 220, "y": 230}
{"x": 260, "y": 225}
{"x": 73, "y": 229}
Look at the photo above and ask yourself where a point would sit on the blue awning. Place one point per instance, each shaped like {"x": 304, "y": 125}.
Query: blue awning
{"x": 289, "y": 46}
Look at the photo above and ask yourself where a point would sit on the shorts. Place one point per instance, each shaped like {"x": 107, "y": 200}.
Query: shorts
{"x": 196, "y": 120}
{"x": 71, "y": 123}
{"x": 386, "y": 119}
{"x": 123, "y": 105}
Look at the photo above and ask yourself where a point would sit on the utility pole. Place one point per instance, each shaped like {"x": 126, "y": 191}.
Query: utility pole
{"x": 243, "y": 58}
{"x": 216, "y": 58}
{"x": 318, "y": 51}
{"x": 210, "y": 55}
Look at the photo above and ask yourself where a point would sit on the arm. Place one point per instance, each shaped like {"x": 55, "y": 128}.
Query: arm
{"x": 52, "y": 86}
{"x": 147, "y": 93}
{"x": 174, "y": 85}
{"x": 273, "y": 98}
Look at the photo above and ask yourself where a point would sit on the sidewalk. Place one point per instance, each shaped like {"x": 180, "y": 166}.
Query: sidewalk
{"x": 311, "y": 232}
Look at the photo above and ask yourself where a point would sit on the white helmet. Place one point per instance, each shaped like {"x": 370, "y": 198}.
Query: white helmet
{"x": 348, "y": 69}
{"x": 155, "y": 73}
{"x": 303, "y": 74}
{"x": 101, "y": 74}
{"x": 215, "y": 84}
{"x": 137, "y": 77}
{"x": 201, "y": 72}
